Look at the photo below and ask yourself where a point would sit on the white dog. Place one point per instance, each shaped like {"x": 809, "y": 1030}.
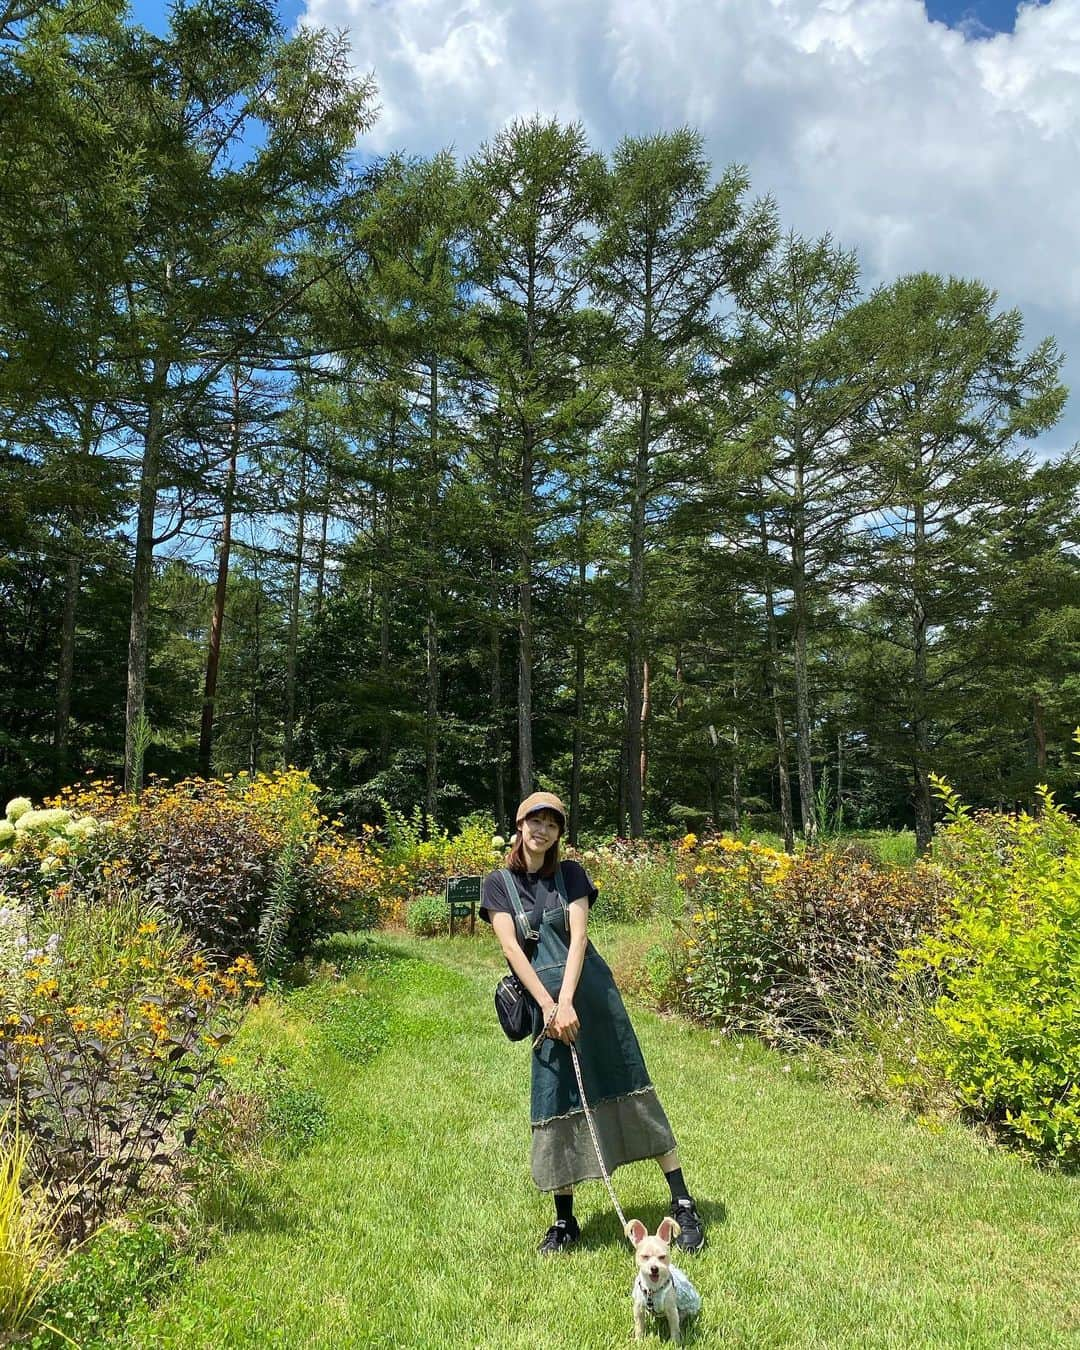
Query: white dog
{"x": 660, "y": 1287}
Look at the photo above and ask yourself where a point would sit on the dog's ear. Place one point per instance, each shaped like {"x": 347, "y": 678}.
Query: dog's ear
{"x": 668, "y": 1229}
{"x": 636, "y": 1231}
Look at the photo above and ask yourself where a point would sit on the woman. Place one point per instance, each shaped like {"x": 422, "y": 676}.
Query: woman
{"x": 564, "y": 972}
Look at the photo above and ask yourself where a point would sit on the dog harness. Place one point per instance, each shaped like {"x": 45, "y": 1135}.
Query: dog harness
{"x": 687, "y": 1298}
{"x": 650, "y": 1294}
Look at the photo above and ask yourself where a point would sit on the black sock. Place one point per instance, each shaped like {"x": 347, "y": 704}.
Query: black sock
{"x": 678, "y": 1186}
{"x": 564, "y": 1206}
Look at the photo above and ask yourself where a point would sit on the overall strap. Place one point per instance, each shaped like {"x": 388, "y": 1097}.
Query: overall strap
{"x": 524, "y": 927}
{"x": 560, "y": 886}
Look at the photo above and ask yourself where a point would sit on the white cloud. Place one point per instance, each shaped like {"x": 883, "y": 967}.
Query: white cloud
{"x": 911, "y": 142}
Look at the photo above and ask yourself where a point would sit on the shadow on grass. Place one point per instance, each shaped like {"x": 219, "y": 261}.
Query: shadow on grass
{"x": 250, "y": 1206}
{"x": 602, "y": 1229}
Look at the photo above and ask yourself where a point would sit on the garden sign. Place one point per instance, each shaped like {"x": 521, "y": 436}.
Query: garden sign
{"x": 463, "y": 895}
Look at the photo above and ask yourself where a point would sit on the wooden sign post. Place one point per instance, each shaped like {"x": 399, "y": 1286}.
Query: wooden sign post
{"x": 463, "y": 896}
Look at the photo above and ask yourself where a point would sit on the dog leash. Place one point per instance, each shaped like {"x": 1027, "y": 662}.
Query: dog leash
{"x": 589, "y": 1119}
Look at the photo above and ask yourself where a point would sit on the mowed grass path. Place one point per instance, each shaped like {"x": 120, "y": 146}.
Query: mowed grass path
{"x": 414, "y": 1221}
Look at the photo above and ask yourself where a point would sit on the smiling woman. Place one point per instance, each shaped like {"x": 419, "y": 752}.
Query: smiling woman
{"x": 576, "y": 1003}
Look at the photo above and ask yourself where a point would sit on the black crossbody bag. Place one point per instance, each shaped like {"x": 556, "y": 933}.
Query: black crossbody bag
{"x": 513, "y": 1002}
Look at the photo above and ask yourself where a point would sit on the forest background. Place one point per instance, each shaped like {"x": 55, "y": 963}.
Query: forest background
{"x": 448, "y": 478}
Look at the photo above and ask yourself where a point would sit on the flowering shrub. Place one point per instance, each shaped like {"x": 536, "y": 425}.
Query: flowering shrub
{"x": 635, "y": 879}
{"x": 105, "y": 1075}
{"x": 787, "y": 946}
{"x": 245, "y": 864}
{"x": 355, "y": 878}
{"x": 1007, "y": 964}
{"x": 416, "y": 864}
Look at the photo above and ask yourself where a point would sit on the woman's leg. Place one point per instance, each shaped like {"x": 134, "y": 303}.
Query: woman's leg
{"x": 565, "y": 1231}
{"x": 682, "y": 1203}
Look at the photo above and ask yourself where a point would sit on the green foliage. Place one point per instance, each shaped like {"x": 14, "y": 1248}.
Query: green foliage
{"x": 351, "y": 1021}
{"x": 635, "y": 880}
{"x": 296, "y": 1115}
{"x": 427, "y": 915}
{"x": 248, "y": 863}
{"x": 29, "y": 1255}
{"x": 286, "y": 885}
{"x": 797, "y": 947}
{"x": 1007, "y": 961}
{"x": 106, "y": 1070}
{"x": 107, "y": 1280}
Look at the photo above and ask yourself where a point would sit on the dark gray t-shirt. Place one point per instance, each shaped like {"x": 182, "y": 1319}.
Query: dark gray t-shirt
{"x": 537, "y": 893}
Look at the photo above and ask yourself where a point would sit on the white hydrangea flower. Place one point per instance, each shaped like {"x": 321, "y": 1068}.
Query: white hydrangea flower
{"x": 497, "y": 841}
{"x": 83, "y": 828}
{"x": 43, "y": 820}
{"x": 50, "y": 865}
{"x": 18, "y": 806}
{"x": 7, "y": 831}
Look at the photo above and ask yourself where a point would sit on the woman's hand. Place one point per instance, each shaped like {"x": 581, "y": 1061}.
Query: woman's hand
{"x": 565, "y": 1025}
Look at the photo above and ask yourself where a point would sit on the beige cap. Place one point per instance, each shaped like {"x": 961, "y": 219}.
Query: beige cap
{"x": 541, "y": 801}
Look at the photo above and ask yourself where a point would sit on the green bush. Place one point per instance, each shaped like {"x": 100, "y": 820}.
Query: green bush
{"x": 1007, "y": 961}
{"x": 102, "y": 1285}
{"x": 635, "y": 879}
{"x": 427, "y": 915}
{"x": 795, "y": 947}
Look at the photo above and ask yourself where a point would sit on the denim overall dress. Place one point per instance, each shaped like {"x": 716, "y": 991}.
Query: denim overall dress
{"x": 630, "y": 1121}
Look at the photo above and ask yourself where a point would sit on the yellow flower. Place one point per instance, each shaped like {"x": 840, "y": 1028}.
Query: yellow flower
{"x": 148, "y": 928}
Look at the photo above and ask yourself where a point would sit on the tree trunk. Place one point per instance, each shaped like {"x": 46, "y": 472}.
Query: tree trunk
{"x": 736, "y": 782}
{"x": 525, "y": 744}
{"x": 431, "y": 748}
{"x": 217, "y": 619}
{"x": 501, "y": 822}
{"x": 431, "y": 729}
{"x": 620, "y": 799}
{"x": 636, "y": 624}
{"x": 802, "y": 691}
{"x": 1038, "y": 727}
{"x": 714, "y": 774}
{"x": 924, "y": 822}
{"x": 142, "y": 573}
{"x": 644, "y": 724}
{"x": 772, "y": 692}
{"x": 579, "y": 680}
{"x": 383, "y": 587}
{"x": 66, "y": 673}
{"x": 256, "y": 689}
{"x": 294, "y": 610}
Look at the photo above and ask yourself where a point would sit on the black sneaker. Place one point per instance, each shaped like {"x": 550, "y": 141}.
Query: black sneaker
{"x": 690, "y": 1238}
{"x": 563, "y": 1233}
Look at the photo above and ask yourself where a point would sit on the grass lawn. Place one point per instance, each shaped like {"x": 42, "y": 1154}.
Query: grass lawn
{"x": 414, "y": 1221}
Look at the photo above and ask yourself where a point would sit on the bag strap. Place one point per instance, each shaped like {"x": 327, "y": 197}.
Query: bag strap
{"x": 525, "y": 928}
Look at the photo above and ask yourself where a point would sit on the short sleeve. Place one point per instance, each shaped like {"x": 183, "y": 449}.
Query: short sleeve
{"x": 493, "y": 897}
{"x": 577, "y": 882}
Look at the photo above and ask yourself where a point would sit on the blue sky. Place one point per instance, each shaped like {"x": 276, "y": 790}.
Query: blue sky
{"x": 941, "y": 137}
{"x": 998, "y": 16}
{"x": 995, "y": 15}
